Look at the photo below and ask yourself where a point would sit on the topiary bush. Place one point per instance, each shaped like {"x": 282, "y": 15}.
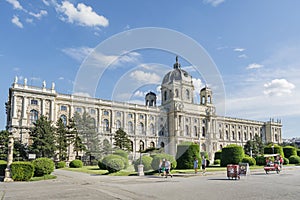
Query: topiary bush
{"x": 251, "y": 161}
{"x": 289, "y": 151}
{"x": 186, "y": 154}
{"x": 146, "y": 161}
{"x": 121, "y": 153}
{"x": 298, "y": 152}
{"x": 158, "y": 157}
{"x": 115, "y": 165}
{"x": 286, "y": 161}
{"x": 60, "y": 164}
{"x": 217, "y": 162}
{"x": 232, "y": 154}
{"x": 218, "y": 155}
{"x": 3, "y": 165}
{"x": 43, "y": 166}
{"x": 76, "y": 164}
{"x": 260, "y": 160}
{"x": 103, "y": 163}
{"x": 22, "y": 171}
{"x": 294, "y": 160}
{"x": 277, "y": 149}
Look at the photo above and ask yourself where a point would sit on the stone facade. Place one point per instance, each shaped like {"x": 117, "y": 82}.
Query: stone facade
{"x": 176, "y": 120}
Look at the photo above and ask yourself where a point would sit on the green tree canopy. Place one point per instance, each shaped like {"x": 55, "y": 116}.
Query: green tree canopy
{"x": 3, "y": 144}
{"x": 121, "y": 140}
{"x": 256, "y": 146}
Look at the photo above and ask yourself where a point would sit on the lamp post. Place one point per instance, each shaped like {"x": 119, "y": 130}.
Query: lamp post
{"x": 250, "y": 151}
{"x": 272, "y": 148}
{"x": 141, "y": 166}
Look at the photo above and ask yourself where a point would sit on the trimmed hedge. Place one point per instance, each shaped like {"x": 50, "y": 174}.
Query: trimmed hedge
{"x": 22, "y": 171}
{"x": 121, "y": 153}
{"x": 115, "y": 165}
{"x": 232, "y": 154}
{"x": 158, "y": 157}
{"x": 186, "y": 154}
{"x": 298, "y": 152}
{"x": 3, "y": 165}
{"x": 146, "y": 161}
{"x": 104, "y": 162}
{"x": 43, "y": 166}
{"x": 260, "y": 160}
{"x": 251, "y": 161}
{"x": 286, "y": 161}
{"x": 60, "y": 164}
{"x": 217, "y": 162}
{"x": 218, "y": 155}
{"x": 289, "y": 151}
{"x": 294, "y": 160}
{"x": 277, "y": 149}
{"x": 76, "y": 164}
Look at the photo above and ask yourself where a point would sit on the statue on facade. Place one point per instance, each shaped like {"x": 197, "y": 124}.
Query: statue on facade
{"x": 16, "y": 79}
{"x": 53, "y": 86}
{"x": 25, "y": 81}
{"x": 44, "y": 84}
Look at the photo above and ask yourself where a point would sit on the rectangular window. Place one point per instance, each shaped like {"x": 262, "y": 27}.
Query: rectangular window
{"x": 34, "y": 102}
{"x": 92, "y": 111}
{"x": 63, "y": 108}
{"x": 78, "y": 110}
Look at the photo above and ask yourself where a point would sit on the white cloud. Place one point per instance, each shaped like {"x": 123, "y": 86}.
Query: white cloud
{"x": 15, "y": 20}
{"x": 29, "y": 20}
{"x": 243, "y": 56}
{"x": 254, "y": 66}
{"x": 239, "y": 49}
{"x": 139, "y": 93}
{"x": 61, "y": 78}
{"x": 39, "y": 15}
{"x": 82, "y": 15}
{"x": 278, "y": 87}
{"x": 214, "y": 3}
{"x": 145, "y": 77}
{"x": 82, "y": 94}
{"x": 46, "y": 2}
{"x": 16, "y": 4}
{"x": 78, "y": 54}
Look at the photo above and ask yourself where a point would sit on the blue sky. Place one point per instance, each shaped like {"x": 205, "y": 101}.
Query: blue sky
{"x": 254, "y": 44}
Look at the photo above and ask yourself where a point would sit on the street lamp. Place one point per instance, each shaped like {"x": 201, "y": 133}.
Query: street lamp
{"x": 250, "y": 151}
{"x": 272, "y": 148}
{"x": 141, "y": 166}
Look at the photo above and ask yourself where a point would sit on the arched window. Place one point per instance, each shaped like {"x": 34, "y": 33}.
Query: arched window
{"x": 93, "y": 122}
{"x": 105, "y": 125}
{"x": 203, "y": 147}
{"x": 203, "y": 131}
{"x": 203, "y": 100}
{"x": 195, "y": 131}
{"x": 233, "y": 135}
{"x": 131, "y": 145}
{"x": 162, "y": 130}
{"x": 64, "y": 119}
{"x": 152, "y": 144}
{"x": 245, "y": 136}
{"x": 130, "y": 128}
{"x": 220, "y": 134}
{"x": 152, "y": 131}
{"x": 227, "y": 135}
{"x": 142, "y": 145}
{"x": 34, "y": 115}
{"x": 165, "y": 95}
{"x": 141, "y": 128}
{"x": 187, "y": 94}
{"x": 187, "y": 130}
{"x": 162, "y": 145}
{"x": 208, "y": 99}
{"x": 239, "y": 135}
{"x": 250, "y": 136}
{"x": 118, "y": 124}
{"x": 176, "y": 93}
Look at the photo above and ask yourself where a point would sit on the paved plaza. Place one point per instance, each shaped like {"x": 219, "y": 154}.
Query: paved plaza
{"x": 73, "y": 185}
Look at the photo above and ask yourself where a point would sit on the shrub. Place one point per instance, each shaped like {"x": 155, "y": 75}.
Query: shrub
{"x": 103, "y": 163}
{"x": 232, "y": 154}
{"x": 277, "y": 149}
{"x": 146, "y": 161}
{"x": 22, "y": 171}
{"x": 251, "y": 161}
{"x": 260, "y": 160}
{"x": 158, "y": 157}
{"x": 298, "y": 152}
{"x": 286, "y": 161}
{"x": 3, "y": 165}
{"x": 217, "y": 162}
{"x": 121, "y": 153}
{"x": 294, "y": 160}
{"x": 60, "y": 164}
{"x": 289, "y": 151}
{"x": 115, "y": 165}
{"x": 186, "y": 154}
{"x": 76, "y": 164}
{"x": 43, "y": 166}
{"x": 205, "y": 154}
{"x": 218, "y": 155}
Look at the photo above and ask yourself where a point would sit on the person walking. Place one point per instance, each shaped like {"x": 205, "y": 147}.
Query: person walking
{"x": 196, "y": 165}
{"x": 203, "y": 162}
{"x": 168, "y": 169}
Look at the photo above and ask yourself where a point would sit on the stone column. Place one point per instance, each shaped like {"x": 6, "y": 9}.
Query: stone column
{"x": 9, "y": 159}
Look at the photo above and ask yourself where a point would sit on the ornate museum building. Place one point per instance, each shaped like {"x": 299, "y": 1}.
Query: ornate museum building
{"x": 176, "y": 120}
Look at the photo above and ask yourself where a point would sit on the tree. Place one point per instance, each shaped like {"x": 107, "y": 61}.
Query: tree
{"x": 43, "y": 138}
{"x": 106, "y": 148}
{"x": 74, "y": 138}
{"x": 61, "y": 139}
{"x": 86, "y": 128}
{"x": 3, "y": 144}
{"x": 121, "y": 140}
{"x": 256, "y": 146}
